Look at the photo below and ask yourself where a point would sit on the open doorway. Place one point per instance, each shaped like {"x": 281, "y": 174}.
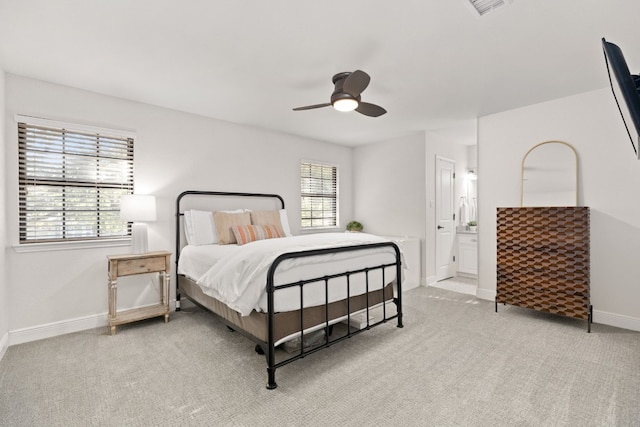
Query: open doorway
{"x": 464, "y": 274}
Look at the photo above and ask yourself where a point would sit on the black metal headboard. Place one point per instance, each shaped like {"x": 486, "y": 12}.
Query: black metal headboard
{"x": 179, "y": 212}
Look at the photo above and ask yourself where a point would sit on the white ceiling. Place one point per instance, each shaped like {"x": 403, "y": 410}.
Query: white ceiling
{"x": 435, "y": 64}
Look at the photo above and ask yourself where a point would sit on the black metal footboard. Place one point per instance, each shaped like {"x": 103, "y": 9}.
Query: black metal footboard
{"x": 272, "y": 365}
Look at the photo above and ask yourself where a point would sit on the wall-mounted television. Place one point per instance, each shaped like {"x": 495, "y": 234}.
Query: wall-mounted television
{"x": 626, "y": 91}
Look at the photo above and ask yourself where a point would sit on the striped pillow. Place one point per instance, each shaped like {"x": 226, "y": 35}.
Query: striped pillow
{"x": 251, "y": 233}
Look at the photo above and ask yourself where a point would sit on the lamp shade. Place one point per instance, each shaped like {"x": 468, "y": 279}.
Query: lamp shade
{"x": 138, "y": 208}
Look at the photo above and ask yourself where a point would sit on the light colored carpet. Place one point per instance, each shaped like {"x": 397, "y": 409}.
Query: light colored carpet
{"x": 458, "y": 284}
{"x": 456, "y": 362}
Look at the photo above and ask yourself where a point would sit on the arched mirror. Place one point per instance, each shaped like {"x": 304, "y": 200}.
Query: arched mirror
{"x": 550, "y": 175}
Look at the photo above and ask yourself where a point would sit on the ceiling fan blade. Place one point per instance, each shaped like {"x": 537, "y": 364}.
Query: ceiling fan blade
{"x": 311, "y": 107}
{"x": 356, "y": 83}
{"x": 371, "y": 110}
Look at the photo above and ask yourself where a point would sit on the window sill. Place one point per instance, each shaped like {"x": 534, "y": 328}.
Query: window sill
{"x": 320, "y": 230}
{"x": 63, "y": 246}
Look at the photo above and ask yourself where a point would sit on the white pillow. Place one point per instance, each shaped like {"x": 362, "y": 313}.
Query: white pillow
{"x": 199, "y": 228}
{"x": 188, "y": 234}
{"x": 285, "y": 223}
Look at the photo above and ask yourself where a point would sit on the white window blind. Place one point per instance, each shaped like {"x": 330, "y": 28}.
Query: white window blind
{"x": 71, "y": 181}
{"x": 319, "y": 195}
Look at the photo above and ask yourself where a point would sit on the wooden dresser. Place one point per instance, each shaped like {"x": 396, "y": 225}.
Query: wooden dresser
{"x": 543, "y": 260}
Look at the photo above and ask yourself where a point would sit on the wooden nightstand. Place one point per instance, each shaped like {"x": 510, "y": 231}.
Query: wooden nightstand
{"x": 130, "y": 264}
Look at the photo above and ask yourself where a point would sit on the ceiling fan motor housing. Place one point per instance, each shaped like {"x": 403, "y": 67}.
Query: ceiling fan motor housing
{"x": 339, "y": 93}
{"x": 341, "y": 76}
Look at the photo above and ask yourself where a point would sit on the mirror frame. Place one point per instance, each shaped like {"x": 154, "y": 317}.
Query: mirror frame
{"x": 575, "y": 156}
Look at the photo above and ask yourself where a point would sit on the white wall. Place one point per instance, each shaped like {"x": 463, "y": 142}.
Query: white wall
{"x": 4, "y": 299}
{"x": 399, "y": 177}
{"x": 609, "y": 179}
{"x": 59, "y": 291}
{"x": 389, "y": 180}
{"x": 437, "y": 145}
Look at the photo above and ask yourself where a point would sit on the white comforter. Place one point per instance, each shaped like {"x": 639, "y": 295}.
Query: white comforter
{"x": 239, "y": 278}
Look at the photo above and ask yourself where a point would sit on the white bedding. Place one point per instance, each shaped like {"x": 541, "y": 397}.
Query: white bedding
{"x": 196, "y": 260}
{"x": 236, "y": 275}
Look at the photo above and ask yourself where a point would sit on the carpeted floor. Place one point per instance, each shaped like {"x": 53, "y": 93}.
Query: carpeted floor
{"x": 456, "y": 362}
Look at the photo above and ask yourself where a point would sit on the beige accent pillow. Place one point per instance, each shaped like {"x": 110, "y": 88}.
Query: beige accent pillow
{"x": 224, "y": 221}
{"x": 267, "y": 218}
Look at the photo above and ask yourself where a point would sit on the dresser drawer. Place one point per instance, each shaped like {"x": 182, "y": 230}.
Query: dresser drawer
{"x": 573, "y": 305}
{"x": 577, "y": 260}
{"x": 544, "y": 277}
{"x": 549, "y": 216}
{"x": 534, "y": 283}
{"x": 542, "y": 239}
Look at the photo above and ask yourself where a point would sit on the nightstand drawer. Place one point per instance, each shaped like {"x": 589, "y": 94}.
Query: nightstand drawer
{"x": 141, "y": 266}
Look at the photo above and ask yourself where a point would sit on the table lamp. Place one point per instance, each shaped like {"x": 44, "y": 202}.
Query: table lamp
{"x": 139, "y": 209}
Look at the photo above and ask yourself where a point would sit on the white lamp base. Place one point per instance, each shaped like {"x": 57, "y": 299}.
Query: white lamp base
{"x": 139, "y": 240}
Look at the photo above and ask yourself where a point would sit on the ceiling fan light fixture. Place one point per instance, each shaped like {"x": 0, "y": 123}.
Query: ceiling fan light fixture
{"x": 345, "y": 104}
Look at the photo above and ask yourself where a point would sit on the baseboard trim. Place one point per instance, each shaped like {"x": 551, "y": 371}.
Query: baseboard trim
{"x": 408, "y": 286}
{"x": 617, "y": 320}
{"x": 486, "y": 294}
{"x": 49, "y": 330}
{"x": 601, "y": 317}
{"x": 4, "y": 345}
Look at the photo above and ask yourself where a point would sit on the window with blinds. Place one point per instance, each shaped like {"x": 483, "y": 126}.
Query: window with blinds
{"x": 319, "y": 195}
{"x": 71, "y": 181}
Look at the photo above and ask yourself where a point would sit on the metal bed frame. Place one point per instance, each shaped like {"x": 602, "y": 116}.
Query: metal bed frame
{"x": 268, "y": 348}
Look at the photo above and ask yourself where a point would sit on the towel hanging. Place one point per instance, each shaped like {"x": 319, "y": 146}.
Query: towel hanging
{"x": 464, "y": 211}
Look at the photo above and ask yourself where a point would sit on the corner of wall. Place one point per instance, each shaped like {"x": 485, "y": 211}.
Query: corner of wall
{"x": 4, "y": 344}
{"x": 4, "y": 299}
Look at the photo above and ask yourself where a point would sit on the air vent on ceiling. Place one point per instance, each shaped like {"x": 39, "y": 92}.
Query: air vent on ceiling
{"x": 486, "y": 6}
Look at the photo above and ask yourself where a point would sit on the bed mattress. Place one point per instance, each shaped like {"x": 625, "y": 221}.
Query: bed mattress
{"x": 236, "y": 275}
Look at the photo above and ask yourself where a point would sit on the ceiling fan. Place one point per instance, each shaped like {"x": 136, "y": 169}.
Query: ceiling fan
{"x": 346, "y": 95}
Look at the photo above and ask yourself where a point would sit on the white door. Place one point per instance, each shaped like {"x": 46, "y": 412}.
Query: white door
{"x": 445, "y": 220}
